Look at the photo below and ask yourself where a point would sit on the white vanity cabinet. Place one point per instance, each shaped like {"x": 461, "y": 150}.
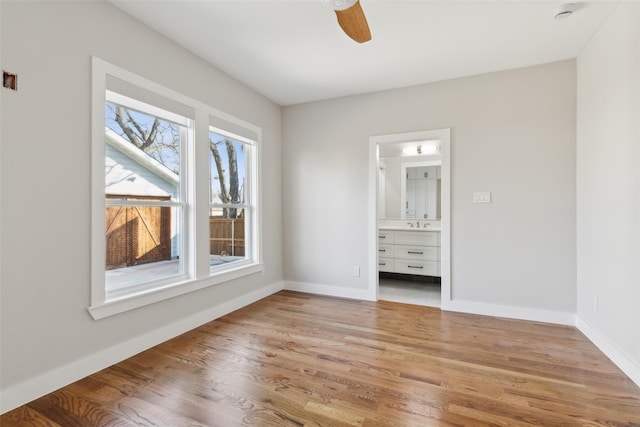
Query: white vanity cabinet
{"x": 409, "y": 252}
{"x": 385, "y": 251}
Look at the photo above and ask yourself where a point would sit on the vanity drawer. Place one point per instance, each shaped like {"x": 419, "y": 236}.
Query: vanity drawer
{"x": 385, "y": 251}
{"x": 427, "y": 253}
{"x": 385, "y": 236}
{"x": 386, "y": 264}
{"x": 419, "y": 267}
{"x": 422, "y": 238}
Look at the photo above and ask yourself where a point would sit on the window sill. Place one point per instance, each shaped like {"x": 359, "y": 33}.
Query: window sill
{"x": 141, "y": 298}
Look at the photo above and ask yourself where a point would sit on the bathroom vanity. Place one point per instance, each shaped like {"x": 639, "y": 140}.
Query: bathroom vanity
{"x": 409, "y": 250}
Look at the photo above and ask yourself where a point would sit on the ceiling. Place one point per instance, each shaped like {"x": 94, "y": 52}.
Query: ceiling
{"x": 294, "y": 52}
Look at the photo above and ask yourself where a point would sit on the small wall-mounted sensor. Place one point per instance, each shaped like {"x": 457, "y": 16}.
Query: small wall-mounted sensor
{"x": 10, "y": 81}
{"x": 565, "y": 10}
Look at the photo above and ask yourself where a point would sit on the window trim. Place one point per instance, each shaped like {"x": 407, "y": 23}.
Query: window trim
{"x": 249, "y": 196}
{"x": 198, "y": 274}
{"x": 185, "y": 195}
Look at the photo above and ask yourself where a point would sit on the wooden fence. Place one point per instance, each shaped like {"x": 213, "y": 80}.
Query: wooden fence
{"x": 226, "y": 236}
{"x": 142, "y": 234}
{"x": 137, "y": 235}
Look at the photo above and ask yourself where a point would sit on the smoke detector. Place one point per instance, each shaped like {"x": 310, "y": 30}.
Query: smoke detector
{"x": 565, "y": 10}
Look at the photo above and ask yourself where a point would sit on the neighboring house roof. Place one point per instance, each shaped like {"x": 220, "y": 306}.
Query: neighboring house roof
{"x": 130, "y": 171}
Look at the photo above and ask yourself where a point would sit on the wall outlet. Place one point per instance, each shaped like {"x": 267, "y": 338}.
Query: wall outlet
{"x": 356, "y": 271}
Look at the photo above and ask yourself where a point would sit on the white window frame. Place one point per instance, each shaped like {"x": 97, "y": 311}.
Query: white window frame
{"x": 250, "y": 195}
{"x": 196, "y": 272}
{"x": 185, "y": 197}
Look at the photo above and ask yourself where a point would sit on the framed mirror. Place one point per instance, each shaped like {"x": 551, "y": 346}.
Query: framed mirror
{"x": 409, "y": 188}
{"x": 420, "y": 184}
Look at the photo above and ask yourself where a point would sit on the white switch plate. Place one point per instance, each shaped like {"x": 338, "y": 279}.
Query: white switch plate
{"x": 482, "y": 197}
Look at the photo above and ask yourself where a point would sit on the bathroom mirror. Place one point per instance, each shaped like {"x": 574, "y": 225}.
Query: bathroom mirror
{"x": 405, "y": 192}
{"x": 421, "y": 196}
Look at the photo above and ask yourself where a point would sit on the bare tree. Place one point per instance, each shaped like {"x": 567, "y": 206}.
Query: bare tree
{"x": 230, "y": 194}
{"x": 159, "y": 139}
{"x": 135, "y": 133}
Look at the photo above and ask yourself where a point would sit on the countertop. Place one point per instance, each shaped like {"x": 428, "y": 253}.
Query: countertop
{"x": 407, "y": 228}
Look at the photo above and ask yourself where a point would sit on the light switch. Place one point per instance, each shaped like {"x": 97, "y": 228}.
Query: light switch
{"x": 482, "y": 197}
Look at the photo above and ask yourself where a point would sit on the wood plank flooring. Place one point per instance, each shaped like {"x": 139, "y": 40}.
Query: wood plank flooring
{"x": 295, "y": 359}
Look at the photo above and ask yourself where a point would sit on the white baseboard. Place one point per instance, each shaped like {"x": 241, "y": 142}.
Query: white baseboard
{"x": 333, "y": 291}
{"x": 512, "y": 312}
{"x": 619, "y": 358}
{"x": 33, "y": 388}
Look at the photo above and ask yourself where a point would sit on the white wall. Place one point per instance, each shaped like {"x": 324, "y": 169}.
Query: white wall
{"x": 513, "y": 133}
{"x": 608, "y": 188}
{"x": 47, "y": 336}
{"x": 126, "y": 176}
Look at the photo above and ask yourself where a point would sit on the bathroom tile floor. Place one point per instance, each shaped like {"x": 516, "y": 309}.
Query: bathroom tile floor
{"x": 409, "y": 292}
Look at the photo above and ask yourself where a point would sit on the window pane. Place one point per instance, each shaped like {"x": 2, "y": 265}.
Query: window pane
{"x": 142, "y": 155}
{"x": 227, "y": 231}
{"x": 227, "y": 160}
{"x": 142, "y": 163}
{"x": 143, "y": 244}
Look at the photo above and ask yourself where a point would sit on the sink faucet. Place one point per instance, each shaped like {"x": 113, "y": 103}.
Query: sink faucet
{"x": 417, "y": 224}
{"x": 410, "y": 224}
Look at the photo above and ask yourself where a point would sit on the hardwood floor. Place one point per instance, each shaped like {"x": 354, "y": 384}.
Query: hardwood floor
{"x": 295, "y": 359}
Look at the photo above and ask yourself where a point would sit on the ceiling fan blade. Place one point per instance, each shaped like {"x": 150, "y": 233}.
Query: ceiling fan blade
{"x": 354, "y": 23}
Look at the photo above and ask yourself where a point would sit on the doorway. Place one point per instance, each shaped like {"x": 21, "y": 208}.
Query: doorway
{"x": 390, "y": 209}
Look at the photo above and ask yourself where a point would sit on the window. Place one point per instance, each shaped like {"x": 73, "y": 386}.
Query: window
{"x": 145, "y": 193}
{"x": 153, "y": 191}
{"x": 230, "y": 197}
